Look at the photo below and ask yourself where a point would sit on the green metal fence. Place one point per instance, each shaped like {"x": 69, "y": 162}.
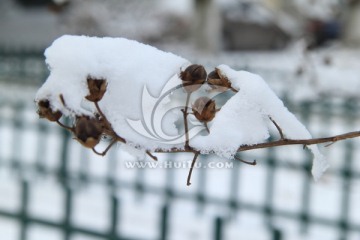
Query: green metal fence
{"x": 279, "y": 192}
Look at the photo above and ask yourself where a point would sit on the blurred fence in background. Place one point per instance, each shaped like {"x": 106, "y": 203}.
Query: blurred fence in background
{"x": 52, "y": 188}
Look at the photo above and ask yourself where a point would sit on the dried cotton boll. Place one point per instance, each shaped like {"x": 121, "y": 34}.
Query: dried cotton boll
{"x": 218, "y": 81}
{"x": 204, "y": 109}
{"x": 193, "y": 77}
{"x": 97, "y": 89}
{"x": 45, "y": 111}
{"x": 88, "y": 131}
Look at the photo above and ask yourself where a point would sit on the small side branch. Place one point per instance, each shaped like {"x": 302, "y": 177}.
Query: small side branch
{"x": 151, "y": 155}
{"x": 106, "y": 150}
{"x": 234, "y": 90}
{"x": 207, "y": 127}
{"x": 253, "y": 163}
{"x": 185, "y": 113}
{"x": 109, "y": 129}
{"x": 64, "y": 126}
{"x": 191, "y": 168}
{"x": 278, "y": 128}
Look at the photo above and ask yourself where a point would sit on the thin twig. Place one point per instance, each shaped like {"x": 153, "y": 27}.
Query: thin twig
{"x": 112, "y": 132}
{"x": 101, "y": 113}
{"x": 185, "y": 113}
{"x": 253, "y": 163}
{"x": 71, "y": 129}
{"x": 62, "y": 100}
{"x": 207, "y": 127}
{"x": 152, "y": 156}
{"x": 106, "y": 150}
{"x": 278, "y": 128}
{"x": 328, "y": 145}
{"x": 233, "y": 89}
{"x": 188, "y": 182}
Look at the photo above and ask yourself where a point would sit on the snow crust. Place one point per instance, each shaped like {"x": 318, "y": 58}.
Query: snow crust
{"x": 132, "y": 69}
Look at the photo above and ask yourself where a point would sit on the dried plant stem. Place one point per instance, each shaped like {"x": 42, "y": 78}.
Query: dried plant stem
{"x": 65, "y": 127}
{"x": 111, "y": 131}
{"x": 188, "y": 182}
{"x": 151, "y": 155}
{"x": 285, "y": 142}
{"x": 253, "y": 163}
{"x": 106, "y": 150}
{"x": 185, "y": 113}
{"x": 233, "y": 89}
{"x": 278, "y": 128}
{"x": 102, "y": 115}
{"x": 207, "y": 127}
{"x": 278, "y": 143}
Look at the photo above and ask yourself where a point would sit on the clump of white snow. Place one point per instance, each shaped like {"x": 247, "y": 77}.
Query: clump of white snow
{"x": 243, "y": 119}
{"x": 138, "y": 75}
{"x": 127, "y": 66}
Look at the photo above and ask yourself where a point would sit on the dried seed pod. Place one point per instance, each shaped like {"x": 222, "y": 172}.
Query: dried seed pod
{"x": 193, "y": 77}
{"x": 45, "y": 111}
{"x": 218, "y": 81}
{"x": 88, "y": 131}
{"x": 204, "y": 109}
{"x": 97, "y": 89}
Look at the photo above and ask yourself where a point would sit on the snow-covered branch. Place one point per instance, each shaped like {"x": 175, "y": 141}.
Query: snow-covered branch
{"x": 156, "y": 102}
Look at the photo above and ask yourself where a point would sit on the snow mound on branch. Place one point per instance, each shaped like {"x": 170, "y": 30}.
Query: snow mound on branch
{"x": 128, "y": 66}
{"x": 242, "y": 120}
{"x": 138, "y": 76}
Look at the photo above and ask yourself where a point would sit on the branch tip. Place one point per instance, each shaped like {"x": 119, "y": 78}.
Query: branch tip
{"x": 188, "y": 182}
{"x": 253, "y": 163}
{"x": 151, "y": 155}
{"x": 278, "y": 128}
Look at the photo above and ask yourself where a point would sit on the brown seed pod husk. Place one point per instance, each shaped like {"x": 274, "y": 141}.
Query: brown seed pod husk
{"x": 218, "y": 81}
{"x": 88, "y": 131}
{"x": 193, "y": 77}
{"x": 97, "y": 89}
{"x": 45, "y": 111}
{"x": 204, "y": 109}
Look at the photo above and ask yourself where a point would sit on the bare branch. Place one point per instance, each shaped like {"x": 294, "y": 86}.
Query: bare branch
{"x": 106, "y": 150}
{"x": 305, "y": 142}
{"x": 191, "y": 168}
{"x": 185, "y": 113}
{"x": 233, "y": 89}
{"x": 246, "y": 162}
{"x": 278, "y": 128}
{"x": 71, "y": 129}
{"x": 207, "y": 127}
{"x": 152, "y": 156}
